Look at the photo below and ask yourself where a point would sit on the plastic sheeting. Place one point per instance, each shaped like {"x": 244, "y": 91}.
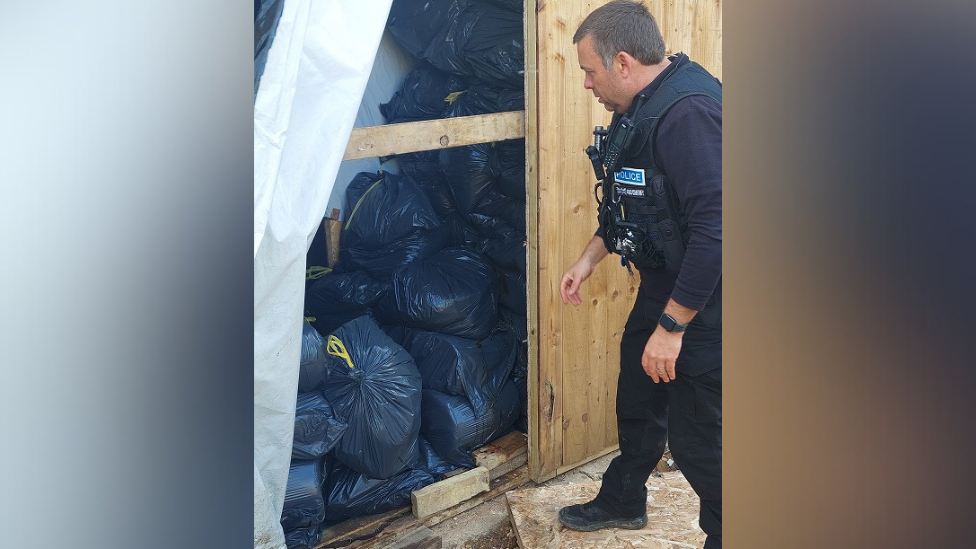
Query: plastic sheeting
{"x": 266, "y": 15}
{"x": 299, "y": 138}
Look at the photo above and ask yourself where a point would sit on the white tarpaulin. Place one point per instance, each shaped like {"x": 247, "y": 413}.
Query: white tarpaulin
{"x": 304, "y": 111}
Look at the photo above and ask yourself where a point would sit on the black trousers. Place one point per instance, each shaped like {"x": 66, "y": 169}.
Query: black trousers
{"x": 686, "y": 412}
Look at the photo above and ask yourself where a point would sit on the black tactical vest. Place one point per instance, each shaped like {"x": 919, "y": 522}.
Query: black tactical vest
{"x": 639, "y": 214}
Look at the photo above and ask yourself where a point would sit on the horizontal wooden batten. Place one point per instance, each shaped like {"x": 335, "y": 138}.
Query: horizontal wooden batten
{"x": 446, "y": 493}
{"x": 428, "y": 135}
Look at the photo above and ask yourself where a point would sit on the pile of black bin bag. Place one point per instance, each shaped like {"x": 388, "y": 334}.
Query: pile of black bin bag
{"x": 470, "y": 61}
{"x": 415, "y": 344}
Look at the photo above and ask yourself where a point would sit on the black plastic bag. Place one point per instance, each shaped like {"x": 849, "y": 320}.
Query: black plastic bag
{"x": 312, "y": 370}
{"x": 317, "y": 430}
{"x": 384, "y": 208}
{"x": 390, "y": 222}
{"x": 493, "y": 45}
{"x": 424, "y": 95}
{"x": 434, "y": 464}
{"x": 468, "y": 174}
{"x": 374, "y": 386}
{"x": 500, "y": 243}
{"x": 338, "y": 297}
{"x": 522, "y": 386}
{"x": 431, "y": 180}
{"x": 507, "y": 165}
{"x": 484, "y": 42}
{"x": 508, "y": 209}
{"x": 351, "y": 494}
{"x": 304, "y": 503}
{"x": 307, "y": 537}
{"x": 480, "y": 98}
{"x": 453, "y": 291}
{"x": 460, "y": 231}
{"x": 422, "y": 167}
{"x": 382, "y": 261}
{"x": 454, "y": 430}
{"x": 425, "y": 169}
{"x": 515, "y": 6}
{"x": 458, "y": 366}
{"x": 518, "y": 324}
{"x": 513, "y": 295}
{"x": 415, "y": 24}
{"x": 445, "y": 47}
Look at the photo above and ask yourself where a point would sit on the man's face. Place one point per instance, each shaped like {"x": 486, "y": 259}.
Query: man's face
{"x": 607, "y": 85}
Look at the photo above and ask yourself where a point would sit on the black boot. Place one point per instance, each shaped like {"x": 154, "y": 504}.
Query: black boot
{"x": 589, "y": 516}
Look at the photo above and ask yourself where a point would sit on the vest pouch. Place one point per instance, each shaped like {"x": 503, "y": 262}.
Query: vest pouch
{"x": 668, "y": 232}
{"x": 674, "y": 247}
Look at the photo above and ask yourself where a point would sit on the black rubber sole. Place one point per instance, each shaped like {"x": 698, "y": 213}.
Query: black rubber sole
{"x": 583, "y": 525}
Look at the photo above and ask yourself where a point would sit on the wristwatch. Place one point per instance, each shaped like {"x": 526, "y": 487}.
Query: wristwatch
{"x": 670, "y": 324}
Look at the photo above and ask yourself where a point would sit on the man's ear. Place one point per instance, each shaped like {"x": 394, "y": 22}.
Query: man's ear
{"x": 624, "y": 63}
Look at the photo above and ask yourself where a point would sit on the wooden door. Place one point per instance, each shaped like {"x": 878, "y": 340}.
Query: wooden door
{"x": 574, "y": 351}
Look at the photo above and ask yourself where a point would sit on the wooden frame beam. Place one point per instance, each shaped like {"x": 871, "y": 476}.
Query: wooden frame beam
{"x": 428, "y": 135}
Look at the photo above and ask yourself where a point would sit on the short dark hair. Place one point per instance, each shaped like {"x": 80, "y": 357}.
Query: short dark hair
{"x": 623, "y": 25}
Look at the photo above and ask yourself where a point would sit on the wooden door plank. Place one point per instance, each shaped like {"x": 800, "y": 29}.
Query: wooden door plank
{"x": 537, "y": 444}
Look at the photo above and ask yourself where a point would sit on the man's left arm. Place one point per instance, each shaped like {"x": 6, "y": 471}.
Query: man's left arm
{"x": 689, "y": 150}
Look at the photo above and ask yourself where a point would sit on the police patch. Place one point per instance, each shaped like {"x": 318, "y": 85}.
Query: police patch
{"x": 630, "y": 176}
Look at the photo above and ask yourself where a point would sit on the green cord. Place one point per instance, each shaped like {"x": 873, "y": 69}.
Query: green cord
{"x": 360, "y": 201}
{"x": 315, "y": 272}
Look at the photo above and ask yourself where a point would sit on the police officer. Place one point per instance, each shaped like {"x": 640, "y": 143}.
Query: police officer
{"x": 661, "y": 210}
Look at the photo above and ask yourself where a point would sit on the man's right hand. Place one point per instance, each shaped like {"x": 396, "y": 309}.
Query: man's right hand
{"x": 581, "y": 270}
{"x": 570, "y": 284}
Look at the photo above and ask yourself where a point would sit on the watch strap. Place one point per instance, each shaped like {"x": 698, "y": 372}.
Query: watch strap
{"x": 670, "y": 324}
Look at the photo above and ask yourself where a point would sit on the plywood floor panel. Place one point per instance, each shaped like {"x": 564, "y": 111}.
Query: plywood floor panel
{"x": 672, "y": 521}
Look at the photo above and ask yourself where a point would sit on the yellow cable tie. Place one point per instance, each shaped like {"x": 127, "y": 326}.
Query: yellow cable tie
{"x": 336, "y": 348}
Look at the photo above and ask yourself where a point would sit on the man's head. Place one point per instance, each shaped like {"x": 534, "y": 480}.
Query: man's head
{"x": 618, "y": 45}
